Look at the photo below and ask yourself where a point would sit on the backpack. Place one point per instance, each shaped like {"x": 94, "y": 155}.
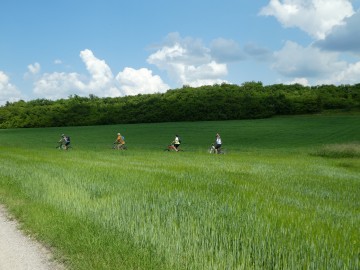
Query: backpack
{"x": 67, "y": 138}
{"x": 179, "y": 139}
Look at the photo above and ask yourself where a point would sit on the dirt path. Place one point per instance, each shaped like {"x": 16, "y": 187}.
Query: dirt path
{"x": 18, "y": 251}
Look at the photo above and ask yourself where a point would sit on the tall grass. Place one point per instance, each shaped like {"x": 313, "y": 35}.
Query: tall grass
{"x": 348, "y": 150}
{"x": 268, "y": 204}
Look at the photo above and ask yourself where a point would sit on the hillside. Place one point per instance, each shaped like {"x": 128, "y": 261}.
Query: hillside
{"x": 284, "y": 196}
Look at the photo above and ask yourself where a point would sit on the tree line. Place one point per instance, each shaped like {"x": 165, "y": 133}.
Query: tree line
{"x": 250, "y": 100}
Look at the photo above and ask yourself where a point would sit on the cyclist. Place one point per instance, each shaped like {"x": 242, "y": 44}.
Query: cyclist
{"x": 64, "y": 141}
{"x": 175, "y": 144}
{"x": 120, "y": 142}
{"x": 217, "y": 143}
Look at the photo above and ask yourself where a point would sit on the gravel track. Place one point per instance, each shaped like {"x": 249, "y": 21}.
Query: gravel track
{"x": 20, "y": 252}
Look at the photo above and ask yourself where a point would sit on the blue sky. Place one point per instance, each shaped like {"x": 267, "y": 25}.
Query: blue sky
{"x": 54, "y": 49}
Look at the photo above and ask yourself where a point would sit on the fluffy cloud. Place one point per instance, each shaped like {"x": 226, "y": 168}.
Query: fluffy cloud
{"x": 294, "y": 60}
{"x": 183, "y": 51}
{"x": 315, "y": 17}
{"x": 334, "y": 25}
{"x": 349, "y": 75}
{"x": 189, "y": 62}
{"x": 8, "y": 92}
{"x": 344, "y": 37}
{"x": 302, "y": 81}
{"x": 100, "y": 72}
{"x": 34, "y": 69}
{"x": 58, "y": 85}
{"x": 134, "y": 81}
{"x": 206, "y": 74}
{"x": 100, "y": 81}
{"x": 322, "y": 67}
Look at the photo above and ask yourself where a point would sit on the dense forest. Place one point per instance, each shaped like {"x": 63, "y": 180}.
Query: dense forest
{"x": 217, "y": 102}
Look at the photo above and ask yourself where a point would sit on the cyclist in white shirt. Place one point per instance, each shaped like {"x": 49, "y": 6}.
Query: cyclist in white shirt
{"x": 218, "y": 143}
{"x": 176, "y": 143}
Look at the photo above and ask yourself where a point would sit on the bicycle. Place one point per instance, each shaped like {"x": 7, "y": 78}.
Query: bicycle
{"x": 212, "y": 150}
{"x": 171, "y": 147}
{"x": 63, "y": 146}
{"x": 119, "y": 146}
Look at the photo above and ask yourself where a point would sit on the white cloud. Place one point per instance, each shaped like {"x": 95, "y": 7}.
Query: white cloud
{"x": 335, "y": 26}
{"x": 134, "y": 81}
{"x": 58, "y": 85}
{"x": 344, "y": 37}
{"x": 208, "y": 73}
{"x": 100, "y": 72}
{"x": 100, "y": 81}
{"x": 188, "y": 62}
{"x": 34, "y": 69}
{"x": 293, "y": 60}
{"x": 311, "y": 63}
{"x": 349, "y": 75}
{"x": 302, "y": 81}
{"x": 315, "y": 17}
{"x": 8, "y": 92}
{"x": 57, "y": 62}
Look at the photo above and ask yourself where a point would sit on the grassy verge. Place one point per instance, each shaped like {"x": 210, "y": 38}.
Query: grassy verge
{"x": 267, "y": 204}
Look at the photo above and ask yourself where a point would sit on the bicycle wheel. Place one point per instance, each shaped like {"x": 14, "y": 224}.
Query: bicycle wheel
{"x": 63, "y": 146}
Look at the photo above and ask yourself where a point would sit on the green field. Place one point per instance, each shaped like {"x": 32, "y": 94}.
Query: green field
{"x": 284, "y": 196}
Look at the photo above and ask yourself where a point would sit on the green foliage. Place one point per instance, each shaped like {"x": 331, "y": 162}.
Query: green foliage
{"x": 251, "y": 100}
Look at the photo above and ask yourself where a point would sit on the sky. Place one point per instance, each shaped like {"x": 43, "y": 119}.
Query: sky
{"x": 110, "y": 48}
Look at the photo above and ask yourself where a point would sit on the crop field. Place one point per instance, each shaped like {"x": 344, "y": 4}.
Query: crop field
{"x": 284, "y": 196}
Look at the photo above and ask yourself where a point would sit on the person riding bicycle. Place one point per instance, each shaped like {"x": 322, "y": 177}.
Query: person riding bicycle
{"x": 64, "y": 141}
{"x": 217, "y": 143}
{"x": 175, "y": 144}
{"x": 119, "y": 142}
